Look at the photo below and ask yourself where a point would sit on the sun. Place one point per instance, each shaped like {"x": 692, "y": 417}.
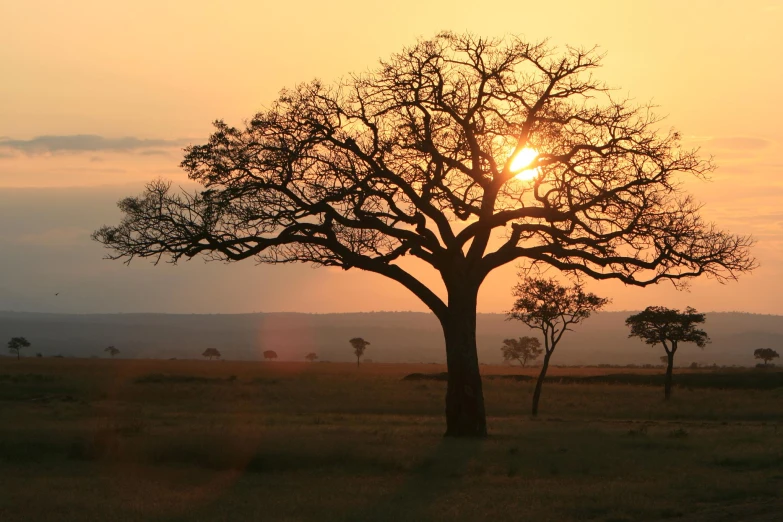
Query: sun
{"x": 521, "y": 161}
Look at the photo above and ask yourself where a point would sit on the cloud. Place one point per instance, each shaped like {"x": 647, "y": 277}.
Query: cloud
{"x": 739, "y": 143}
{"x": 84, "y": 143}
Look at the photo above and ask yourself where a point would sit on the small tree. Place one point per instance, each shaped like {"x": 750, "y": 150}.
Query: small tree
{"x": 270, "y": 354}
{"x": 523, "y": 350}
{"x": 312, "y": 356}
{"x": 664, "y": 359}
{"x": 765, "y": 354}
{"x": 547, "y": 305}
{"x": 16, "y": 344}
{"x": 209, "y": 353}
{"x": 111, "y": 350}
{"x": 359, "y": 345}
{"x": 669, "y": 327}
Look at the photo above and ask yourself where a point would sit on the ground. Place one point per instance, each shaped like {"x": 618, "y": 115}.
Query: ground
{"x": 128, "y": 440}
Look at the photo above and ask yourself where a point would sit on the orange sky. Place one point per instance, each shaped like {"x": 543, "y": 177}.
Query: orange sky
{"x": 144, "y": 78}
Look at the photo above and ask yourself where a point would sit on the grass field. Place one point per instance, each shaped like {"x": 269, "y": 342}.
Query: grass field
{"x": 197, "y": 440}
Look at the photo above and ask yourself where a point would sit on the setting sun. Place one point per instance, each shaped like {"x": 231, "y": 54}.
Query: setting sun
{"x": 521, "y": 161}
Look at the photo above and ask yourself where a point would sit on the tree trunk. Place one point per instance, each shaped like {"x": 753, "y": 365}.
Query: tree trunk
{"x": 357, "y": 362}
{"x": 667, "y": 389}
{"x": 465, "y": 414}
{"x": 540, "y": 383}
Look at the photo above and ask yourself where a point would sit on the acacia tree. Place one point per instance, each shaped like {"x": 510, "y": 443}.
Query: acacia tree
{"x": 420, "y": 157}
{"x": 669, "y": 327}
{"x": 209, "y": 353}
{"x": 270, "y": 354}
{"x": 549, "y": 306}
{"x": 312, "y": 356}
{"x": 111, "y": 350}
{"x": 765, "y": 354}
{"x": 359, "y": 346}
{"x": 16, "y": 344}
{"x": 522, "y": 350}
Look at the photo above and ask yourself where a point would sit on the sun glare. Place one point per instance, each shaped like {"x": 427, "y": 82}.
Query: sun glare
{"x": 521, "y": 161}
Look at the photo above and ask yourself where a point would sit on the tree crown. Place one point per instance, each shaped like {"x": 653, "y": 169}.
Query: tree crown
{"x": 417, "y": 158}
{"x": 546, "y": 304}
{"x": 16, "y": 343}
{"x": 522, "y": 349}
{"x": 765, "y": 354}
{"x": 359, "y": 345}
{"x": 658, "y": 324}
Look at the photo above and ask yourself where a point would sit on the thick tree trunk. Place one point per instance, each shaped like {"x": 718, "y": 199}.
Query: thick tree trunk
{"x": 465, "y": 415}
{"x": 667, "y": 389}
{"x": 540, "y": 383}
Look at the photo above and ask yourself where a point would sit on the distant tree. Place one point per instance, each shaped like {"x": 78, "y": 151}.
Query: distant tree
{"x": 312, "y": 356}
{"x": 16, "y": 344}
{"x": 111, "y": 350}
{"x": 669, "y": 327}
{"x": 463, "y": 152}
{"x": 523, "y": 350}
{"x": 270, "y": 354}
{"x": 765, "y": 354}
{"x": 694, "y": 366}
{"x": 547, "y": 305}
{"x": 39, "y": 354}
{"x": 664, "y": 359}
{"x": 209, "y": 353}
{"x": 359, "y": 345}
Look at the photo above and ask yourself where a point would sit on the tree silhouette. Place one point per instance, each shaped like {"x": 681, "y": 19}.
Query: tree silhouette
{"x": 16, "y": 344}
{"x": 312, "y": 356}
{"x": 209, "y": 353}
{"x": 359, "y": 345}
{"x": 549, "y": 306}
{"x": 270, "y": 354}
{"x": 111, "y": 350}
{"x": 463, "y": 152}
{"x": 669, "y": 327}
{"x": 523, "y": 350}
{"x": 765, "y": 354}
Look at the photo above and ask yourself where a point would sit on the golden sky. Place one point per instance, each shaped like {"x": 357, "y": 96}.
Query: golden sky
{"x": 97, "y": 97}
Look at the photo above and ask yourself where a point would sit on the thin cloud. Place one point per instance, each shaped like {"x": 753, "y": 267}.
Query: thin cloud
{"x": 154, "y": 152}
{"x": 739, "y": 143}
{"x": 85, "y": 143}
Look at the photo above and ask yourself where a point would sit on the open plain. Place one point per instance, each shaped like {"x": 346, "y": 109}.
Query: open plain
{"x": 171, "y": 440}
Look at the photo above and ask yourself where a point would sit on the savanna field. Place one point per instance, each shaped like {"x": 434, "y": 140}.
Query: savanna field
{"x": 177, "y": 440}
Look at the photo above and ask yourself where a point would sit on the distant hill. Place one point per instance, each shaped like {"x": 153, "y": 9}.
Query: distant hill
{"x": 395, "y": 336}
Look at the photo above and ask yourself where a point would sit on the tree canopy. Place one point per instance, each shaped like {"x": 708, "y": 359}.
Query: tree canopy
{"x": 378, "y": 166}
{"x": 668, "y": 327}
{"x": 209, "y": 353}
{"x": 523, "y": 349}
{"x": 765, "y": 354}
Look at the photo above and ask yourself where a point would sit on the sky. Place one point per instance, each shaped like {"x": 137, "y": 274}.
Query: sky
{"x": 98, "y": 97}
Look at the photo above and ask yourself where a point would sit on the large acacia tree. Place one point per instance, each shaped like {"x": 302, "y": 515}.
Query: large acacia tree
{"x": 418, "y": 157}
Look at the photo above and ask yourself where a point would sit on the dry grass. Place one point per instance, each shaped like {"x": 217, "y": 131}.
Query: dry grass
{"x": 200, "y": 440}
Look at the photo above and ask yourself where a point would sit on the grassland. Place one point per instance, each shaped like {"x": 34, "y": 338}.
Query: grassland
{"x": 130, "y": 440}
